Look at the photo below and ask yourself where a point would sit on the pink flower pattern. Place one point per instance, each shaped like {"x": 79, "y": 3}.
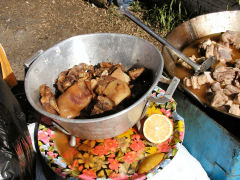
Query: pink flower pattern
{"x": 50, "y": 153}
{"x": 43, "y": 136}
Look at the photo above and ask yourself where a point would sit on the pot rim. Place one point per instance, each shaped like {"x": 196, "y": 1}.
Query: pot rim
{"x": 92, "y": 120}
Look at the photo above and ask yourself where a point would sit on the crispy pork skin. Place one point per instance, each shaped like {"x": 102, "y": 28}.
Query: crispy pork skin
{"x": 74, "y": 99}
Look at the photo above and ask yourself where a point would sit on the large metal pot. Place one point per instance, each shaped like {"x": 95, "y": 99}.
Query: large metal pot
{"x": 93, "y": 49}
{"x": 194, "y": 29}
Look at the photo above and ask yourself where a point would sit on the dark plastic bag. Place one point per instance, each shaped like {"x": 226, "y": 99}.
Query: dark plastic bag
{"x": 16, "y": 151}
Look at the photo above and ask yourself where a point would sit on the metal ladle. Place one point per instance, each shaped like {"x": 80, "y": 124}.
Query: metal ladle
{"x": 196, "y": 67}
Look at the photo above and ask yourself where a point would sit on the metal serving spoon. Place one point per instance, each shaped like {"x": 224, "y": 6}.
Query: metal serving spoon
{"x": 197, "y": 68}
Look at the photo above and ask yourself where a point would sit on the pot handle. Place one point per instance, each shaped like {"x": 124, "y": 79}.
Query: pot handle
{"x": 169, "y": 92}
{"x": 28, "y": 63}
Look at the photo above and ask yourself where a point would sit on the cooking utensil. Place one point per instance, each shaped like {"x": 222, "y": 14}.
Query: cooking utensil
{"x": 196, "y": 28}
{"x": 93, "y": 49}
{"x": 196, "y": 67}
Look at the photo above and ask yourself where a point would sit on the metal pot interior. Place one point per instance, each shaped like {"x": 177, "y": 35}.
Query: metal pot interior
{"x": 91, "y": 49}
{"x": 197, "y": 28}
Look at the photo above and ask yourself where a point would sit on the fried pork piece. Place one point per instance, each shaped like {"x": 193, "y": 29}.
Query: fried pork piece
{"x": 77, "y": 72}
{"x": 102, "y": 84}
{"x": 117, "y": 91}
{"x": 105, "y": 69}
{"x": 135, "y": 73}
{"x": 103, "y": 104}
{"x": 74, "y": 99}
{"x": 196, "y": 81}
{"x": 119, "y": 74}
{"x": 48, "y": 100}
{"x": 231, "y": 37}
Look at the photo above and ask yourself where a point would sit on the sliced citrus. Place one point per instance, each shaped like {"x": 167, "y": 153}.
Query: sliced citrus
{"x": 157, "y": 128}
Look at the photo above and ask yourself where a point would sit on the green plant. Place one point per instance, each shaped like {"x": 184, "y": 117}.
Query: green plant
{"x": 136, "y": 6}
{"x": 164, "y": 15}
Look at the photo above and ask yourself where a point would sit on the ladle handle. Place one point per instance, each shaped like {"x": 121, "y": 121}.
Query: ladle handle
{"x": 195, "y": 66}
{"x": 172, "y": 87}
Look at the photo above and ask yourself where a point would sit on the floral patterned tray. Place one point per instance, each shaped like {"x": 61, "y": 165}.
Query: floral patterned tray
{"x": 114, "y": 158}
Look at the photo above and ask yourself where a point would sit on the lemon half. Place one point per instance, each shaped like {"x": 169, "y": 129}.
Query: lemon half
{"x": 157, "y": 128}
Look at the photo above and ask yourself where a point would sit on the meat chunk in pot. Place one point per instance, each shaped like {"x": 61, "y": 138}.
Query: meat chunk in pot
{"x": 103, "y": 104}
{"x": 230, "y": 90}
{"x": 69, "y": 77}
{"x": 212, "y": 48}
{"x": 193, "y": 58}
{"x": 74, "y": 99}
{"x": 119, "y": 74}
{"x": 105, "y": 69}
{"x": 196, "y": 81}
{"x": 136, "y": 72}
{"x": 102, "y": 84}
{"x": 48, "y": 100}
{"x": 231, "y": 37}
{"x": 219, "y": 99}
{"x": 223, "y": 54}
{"x": 224, "y": 75}
{"x": 216, "y": 87}
{"x": 234, "y": 109}
{"x": 117, "y": 91}
{"x": 236, "y": 100}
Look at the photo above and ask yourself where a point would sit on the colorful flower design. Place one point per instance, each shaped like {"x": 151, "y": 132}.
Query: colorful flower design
{"x": 164, "y": 147}
{"x": 127, "y": 134}
{"x": 113, "y": 164}
{"x": 115, "y": 158}
{"x": 130, "y": 157}
{"x": 100, "y": 150}
{"x": 52, "y": 154}
{"x": 137, "y": 145}
{"x": 90, "y": 173}
{"x": 43, "y": 136}
{"x": 111, "y": 144}
{"x": 153, "y": 110}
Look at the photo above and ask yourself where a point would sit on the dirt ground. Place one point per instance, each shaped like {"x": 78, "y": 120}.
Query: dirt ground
{"x": 28, "y": 26}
